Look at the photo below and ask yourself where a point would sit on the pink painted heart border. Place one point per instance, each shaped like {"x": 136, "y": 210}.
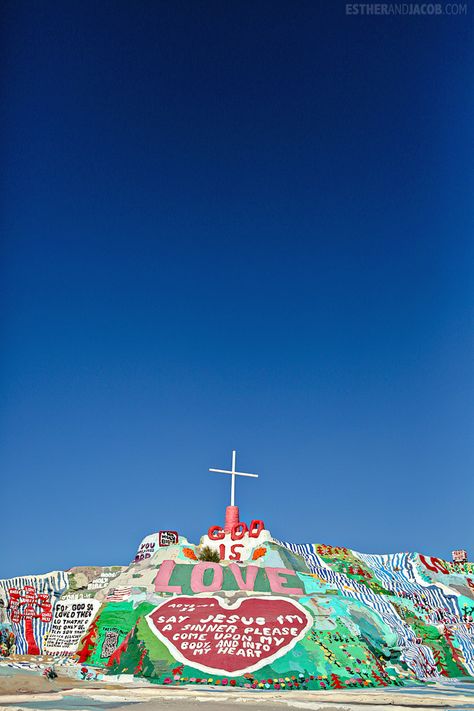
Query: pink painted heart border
{"x": 222, "y": 602}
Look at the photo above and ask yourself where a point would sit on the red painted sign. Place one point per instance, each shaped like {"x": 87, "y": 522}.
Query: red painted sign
{"x": 168, "y": 538}
{"x": 238, "y": 531}
{"x": 28, "y": 605}
{"x": 209, "y": 635}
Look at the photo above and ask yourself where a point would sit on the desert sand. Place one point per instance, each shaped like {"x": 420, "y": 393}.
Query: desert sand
{"x": 28, "y": 689}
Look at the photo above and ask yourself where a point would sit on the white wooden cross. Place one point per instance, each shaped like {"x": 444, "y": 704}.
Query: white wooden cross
{"x": 234, "y": 473}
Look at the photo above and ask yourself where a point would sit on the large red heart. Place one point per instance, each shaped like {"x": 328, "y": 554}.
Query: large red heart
{"x": 207, "y": 634}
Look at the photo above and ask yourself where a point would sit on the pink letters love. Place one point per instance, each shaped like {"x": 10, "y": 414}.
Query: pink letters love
{"x": 277, "y": 578}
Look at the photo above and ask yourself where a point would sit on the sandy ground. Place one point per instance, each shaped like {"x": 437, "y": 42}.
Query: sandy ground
{"x": 22, "y": 690}
{"x": 18, "y": 682}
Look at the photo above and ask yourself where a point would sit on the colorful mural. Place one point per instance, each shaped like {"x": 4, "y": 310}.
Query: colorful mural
{"x": 270, "y": 614}
{"x": 212, "y": 636}
{"x": 71, "y": 621}
{"x": 28, "y": 604}
{"x": 150, "y": 544}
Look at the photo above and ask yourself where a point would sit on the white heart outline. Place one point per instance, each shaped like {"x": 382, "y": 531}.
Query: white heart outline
{"x": 222, "y": 602}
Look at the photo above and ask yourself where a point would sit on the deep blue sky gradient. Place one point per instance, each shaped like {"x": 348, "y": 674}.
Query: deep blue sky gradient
{"x": 234, "y": 224}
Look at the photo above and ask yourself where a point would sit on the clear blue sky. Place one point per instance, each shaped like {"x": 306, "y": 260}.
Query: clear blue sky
{"x": 234, "y": 224}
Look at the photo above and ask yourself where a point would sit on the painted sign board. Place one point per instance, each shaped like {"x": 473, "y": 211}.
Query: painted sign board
{"x": 71, "y": 621}
{"x": 240, "y": 542}
{"x": 168, "y": 538}
{"x": 150, "y": 544}
{"x": 209, "y": 634}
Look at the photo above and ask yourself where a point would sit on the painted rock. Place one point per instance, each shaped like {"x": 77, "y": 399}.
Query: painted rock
{"x": 210, "y": 635}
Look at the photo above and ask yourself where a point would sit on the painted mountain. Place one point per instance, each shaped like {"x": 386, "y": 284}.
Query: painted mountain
{"x": 269, "y": 614}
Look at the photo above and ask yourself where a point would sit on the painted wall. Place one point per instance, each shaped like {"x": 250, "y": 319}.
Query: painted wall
{"x": 151, "y": 543}
{"x": 283, "y": 616}
{"x": 28, "y": 605}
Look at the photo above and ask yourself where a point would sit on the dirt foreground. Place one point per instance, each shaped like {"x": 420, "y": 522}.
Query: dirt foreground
{"x": 23, "y": 690}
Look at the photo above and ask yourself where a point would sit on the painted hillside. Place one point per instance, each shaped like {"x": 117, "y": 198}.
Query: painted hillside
{"x": 269, "y": 614}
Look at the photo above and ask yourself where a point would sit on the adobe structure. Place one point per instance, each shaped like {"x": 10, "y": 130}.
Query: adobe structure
{"x": 269, "y": 614}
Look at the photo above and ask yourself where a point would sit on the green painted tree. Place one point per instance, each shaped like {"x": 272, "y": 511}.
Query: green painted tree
{"x": 127, "y": 656}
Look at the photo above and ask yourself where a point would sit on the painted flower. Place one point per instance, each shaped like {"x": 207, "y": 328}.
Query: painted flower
{"x": 167, "y": 680}
{"x": 258, "y": 553}
{"x": 189, "y": 553}
{"x": 233, "y": 682}
{"x": 224, "y": 682}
